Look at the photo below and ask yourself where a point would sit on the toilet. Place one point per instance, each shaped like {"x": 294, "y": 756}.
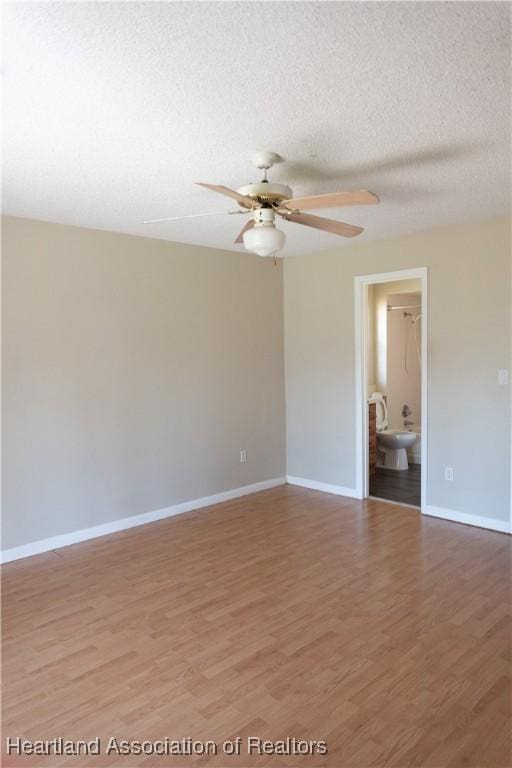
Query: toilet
{"x": 393, "y": 443}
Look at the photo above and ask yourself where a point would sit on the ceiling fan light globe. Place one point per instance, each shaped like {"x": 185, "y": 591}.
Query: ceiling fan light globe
{"x": 264, "y": 240}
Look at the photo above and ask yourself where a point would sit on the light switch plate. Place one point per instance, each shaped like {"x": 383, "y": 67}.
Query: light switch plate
{"x": 503, "y": 377}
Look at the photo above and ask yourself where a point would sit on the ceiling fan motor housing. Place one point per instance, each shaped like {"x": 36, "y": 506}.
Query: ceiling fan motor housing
{"x": 266, "y": 192}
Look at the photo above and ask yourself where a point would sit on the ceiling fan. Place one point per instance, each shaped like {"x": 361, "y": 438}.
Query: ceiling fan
{"x": 267, "y": 199}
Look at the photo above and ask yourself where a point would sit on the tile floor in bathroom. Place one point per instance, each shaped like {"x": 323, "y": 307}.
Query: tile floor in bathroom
{"x": 397, "y": 485}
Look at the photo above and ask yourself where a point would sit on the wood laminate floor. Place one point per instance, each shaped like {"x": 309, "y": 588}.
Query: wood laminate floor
{"x": 402, "y": 486}
{"x": 288, "y": 613}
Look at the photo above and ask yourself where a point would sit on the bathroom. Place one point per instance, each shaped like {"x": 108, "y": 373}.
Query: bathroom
{"x": 394, "y": 390}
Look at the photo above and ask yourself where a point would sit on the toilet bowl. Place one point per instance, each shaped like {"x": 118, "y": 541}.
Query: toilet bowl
{"x": 391, "y": 443}
{"x": 396, "y": 442}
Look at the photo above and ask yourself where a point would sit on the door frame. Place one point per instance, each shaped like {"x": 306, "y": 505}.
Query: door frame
{"x": 361, "y": 283}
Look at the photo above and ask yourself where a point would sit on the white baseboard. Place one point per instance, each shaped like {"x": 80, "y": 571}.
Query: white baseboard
{"x": 339, "y": 490}
{"x": 503, "y": 526}
{"x": 445, "y": 514}
{"x": 64, "y": 539}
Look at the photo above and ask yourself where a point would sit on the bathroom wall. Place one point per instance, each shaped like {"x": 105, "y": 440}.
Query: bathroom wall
{"x": 378, "y": 317}
{"x": 404, "y": 364}
{"x": 371, "y": 380}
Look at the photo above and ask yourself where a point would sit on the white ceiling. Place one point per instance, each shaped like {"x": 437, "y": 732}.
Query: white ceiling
{"x": 113, "y": 110}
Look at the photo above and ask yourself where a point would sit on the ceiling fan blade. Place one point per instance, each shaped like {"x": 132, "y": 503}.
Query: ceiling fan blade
{"x": 332, "y": 200}
{"x": 249, "y": 225}
{"x": 193, "y": 216}
{"x": 318, "y": 222}
{"x": 247, "y": 202}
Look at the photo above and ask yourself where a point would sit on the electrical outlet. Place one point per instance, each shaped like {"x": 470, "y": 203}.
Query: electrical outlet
{"x": 243, "y": 456}
{"x": 448, "y": 474}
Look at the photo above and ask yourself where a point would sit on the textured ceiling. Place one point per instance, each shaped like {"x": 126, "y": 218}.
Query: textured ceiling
{"x": 113, "y": 110}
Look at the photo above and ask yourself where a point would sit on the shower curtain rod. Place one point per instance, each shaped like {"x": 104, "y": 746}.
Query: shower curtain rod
{"x": 408, "y": 306}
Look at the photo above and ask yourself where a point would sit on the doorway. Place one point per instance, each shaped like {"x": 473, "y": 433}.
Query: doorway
{"x": 391, "y": 386}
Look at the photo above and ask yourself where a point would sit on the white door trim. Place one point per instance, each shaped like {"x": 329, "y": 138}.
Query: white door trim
{"x": 361, "y": 283}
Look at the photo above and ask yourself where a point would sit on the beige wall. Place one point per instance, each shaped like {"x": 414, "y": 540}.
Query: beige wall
{"x": 134, "y": 371}
{"x": 469, "y": 340}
